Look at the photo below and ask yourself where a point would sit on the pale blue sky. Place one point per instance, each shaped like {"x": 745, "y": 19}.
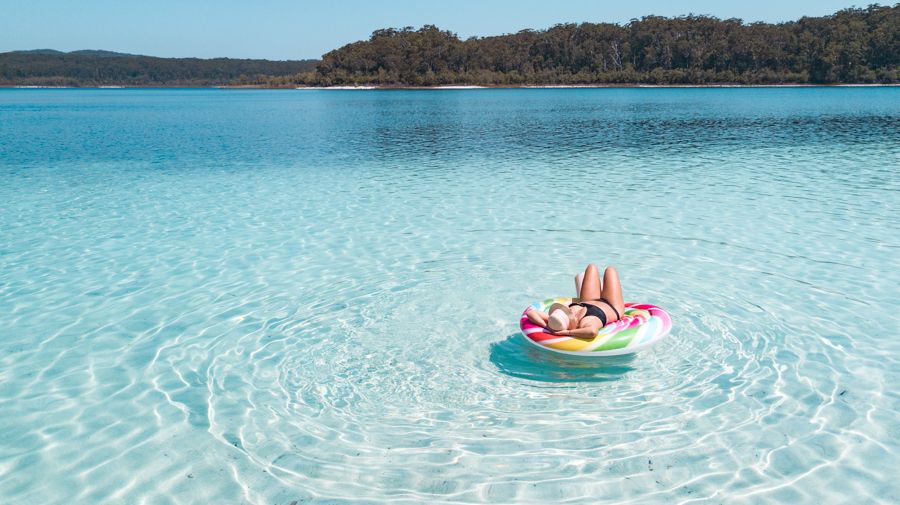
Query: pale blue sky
{"x": 283, "y": 29}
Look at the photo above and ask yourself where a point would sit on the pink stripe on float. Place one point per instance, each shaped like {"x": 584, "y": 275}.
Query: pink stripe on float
{"x": 541, "y": 336}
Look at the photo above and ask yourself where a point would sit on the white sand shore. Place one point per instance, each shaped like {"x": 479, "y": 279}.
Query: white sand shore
{"x": 338, "y": 87}
{"x": 594, "y": 86}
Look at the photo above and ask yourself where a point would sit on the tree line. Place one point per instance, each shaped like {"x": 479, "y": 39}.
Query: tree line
{"x": 850, "y": 46}
{"x": 857, "y": 45}
{"x": 105, "y": 68}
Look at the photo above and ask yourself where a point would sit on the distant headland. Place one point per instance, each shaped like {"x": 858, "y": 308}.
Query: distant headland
{"x": 46, "y": 67}
{"x": 852, "y": 46}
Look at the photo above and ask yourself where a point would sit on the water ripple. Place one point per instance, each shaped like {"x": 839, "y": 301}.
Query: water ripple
{"x": 321, "y": 305}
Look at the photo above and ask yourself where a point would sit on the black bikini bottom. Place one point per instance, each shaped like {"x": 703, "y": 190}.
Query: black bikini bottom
{"x": 593, "y": 310}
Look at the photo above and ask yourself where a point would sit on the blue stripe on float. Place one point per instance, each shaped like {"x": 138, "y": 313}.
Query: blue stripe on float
{"x": 651, "y": 329}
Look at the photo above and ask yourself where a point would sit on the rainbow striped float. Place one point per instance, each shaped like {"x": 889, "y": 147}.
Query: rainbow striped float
{"x": 641, "y": 326}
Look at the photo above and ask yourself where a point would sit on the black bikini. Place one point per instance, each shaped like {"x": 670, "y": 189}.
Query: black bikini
{"x": 593, "y": 310}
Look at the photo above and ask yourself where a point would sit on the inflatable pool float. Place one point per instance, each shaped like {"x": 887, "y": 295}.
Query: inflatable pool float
{"x": 641, "y": 326}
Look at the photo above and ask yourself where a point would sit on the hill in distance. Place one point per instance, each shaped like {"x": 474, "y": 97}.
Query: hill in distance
{"x": 83, "y": 52}
{"x": 90, "y": 67}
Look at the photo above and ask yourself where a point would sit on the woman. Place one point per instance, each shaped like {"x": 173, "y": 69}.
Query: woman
{"x": 599, "y": 303}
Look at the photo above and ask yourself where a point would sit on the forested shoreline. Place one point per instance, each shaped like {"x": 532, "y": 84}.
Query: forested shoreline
{"x": 852, "y": 46}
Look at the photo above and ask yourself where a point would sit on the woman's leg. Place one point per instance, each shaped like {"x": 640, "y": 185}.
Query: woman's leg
{"x": 579, "y": 279}
{"x": 612, "y": 289}
{"x": 591, "y": 288}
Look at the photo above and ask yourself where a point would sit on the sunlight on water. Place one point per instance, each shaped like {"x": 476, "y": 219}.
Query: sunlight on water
{"x": 313, "y": 296}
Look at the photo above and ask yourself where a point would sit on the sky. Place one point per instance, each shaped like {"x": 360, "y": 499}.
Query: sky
{"x": 283, "y": 29}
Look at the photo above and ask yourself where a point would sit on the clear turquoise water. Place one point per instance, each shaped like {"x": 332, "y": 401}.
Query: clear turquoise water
{"x": 273, "y": 296}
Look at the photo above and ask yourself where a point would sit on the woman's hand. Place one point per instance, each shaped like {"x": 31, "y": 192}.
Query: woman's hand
{"x": 587, "y": 332}
{"x": 537, "y": 317}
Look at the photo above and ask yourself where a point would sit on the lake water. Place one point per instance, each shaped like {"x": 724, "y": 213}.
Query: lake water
{"x": 304, "y": 296}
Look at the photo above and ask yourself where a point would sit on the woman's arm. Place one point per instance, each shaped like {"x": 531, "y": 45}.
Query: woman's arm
{"x": 537, "y": 317}
{"x": 586, "y": 332}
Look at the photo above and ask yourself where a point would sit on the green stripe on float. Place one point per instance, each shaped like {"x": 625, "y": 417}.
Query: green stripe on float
{"x": 640, "y": 331}
{"x": 619, "y": 340}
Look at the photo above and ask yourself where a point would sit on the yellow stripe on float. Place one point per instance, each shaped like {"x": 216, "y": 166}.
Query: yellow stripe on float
{"x": 570, "y": 344}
